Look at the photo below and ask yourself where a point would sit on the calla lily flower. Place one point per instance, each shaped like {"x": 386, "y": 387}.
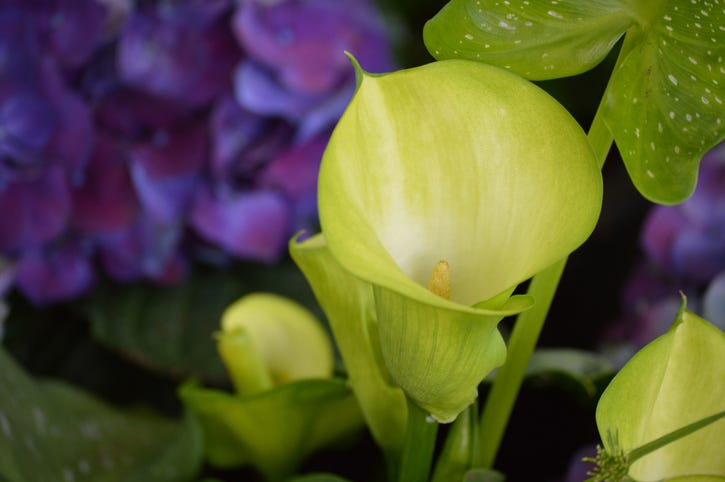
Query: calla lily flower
{"x": 286, "y": 405}
{"x": 442, "y": 188}
{"x": 676, "y": 380}
{"x": 269, "y": 340}
{"x": 350, "y": 309}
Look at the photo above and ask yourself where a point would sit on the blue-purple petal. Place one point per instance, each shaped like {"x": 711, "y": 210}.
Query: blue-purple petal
{"x": 106, "y": 201}
{"x": 249, "y": 225}
{"x": 34, "y": 211}
{"x": 54, "y": 274}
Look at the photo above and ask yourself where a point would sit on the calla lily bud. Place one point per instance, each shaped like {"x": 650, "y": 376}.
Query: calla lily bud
{"x": 675, "y": 381}
{"x": 286, "y": 404}
{"x": 268, "y": 340}
{"x": 443, "y": 187}
{"x": 349, "y": 306}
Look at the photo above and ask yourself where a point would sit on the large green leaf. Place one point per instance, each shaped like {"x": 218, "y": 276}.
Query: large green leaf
{"x": 169, "y": 328}
{"x": 664, "y": 104}
{"x": 536, "y": 39}
{"x": 665, "y": 100}
{"x": 580, "y": 371}
{"x": 50, "y": 431}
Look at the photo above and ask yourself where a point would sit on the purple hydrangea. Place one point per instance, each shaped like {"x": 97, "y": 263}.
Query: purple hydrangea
{"x": 685, "y": 252}
{"x": 136, "y": 138}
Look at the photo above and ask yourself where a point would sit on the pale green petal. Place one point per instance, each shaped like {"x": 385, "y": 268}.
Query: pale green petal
{"x": 348, "y": 304}
{"x": 439, "y": 355}
{"x": 674, "y": 381}
{"x": 698, "y": 478}
{"x": 287, "y": 340}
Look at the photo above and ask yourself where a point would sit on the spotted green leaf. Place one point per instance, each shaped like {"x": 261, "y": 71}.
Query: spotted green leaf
{"x": 536, "y": 39}
{"x": 50, "y": 431}
{"x": 664, "y": 104}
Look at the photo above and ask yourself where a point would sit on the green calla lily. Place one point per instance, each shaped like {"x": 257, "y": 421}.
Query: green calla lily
{"x": 268, "y": 340}
{"x": 675, "y": 381}
{"x": 286, "y": 406}
{"x": 274, "y": 431}
{"x": 470, "y": 173}
{"x": 349, "y": 306}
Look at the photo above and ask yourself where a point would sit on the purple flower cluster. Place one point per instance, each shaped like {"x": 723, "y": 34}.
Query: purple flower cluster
{"x": 138, "y": 137}
{"x": 685, "y": 251}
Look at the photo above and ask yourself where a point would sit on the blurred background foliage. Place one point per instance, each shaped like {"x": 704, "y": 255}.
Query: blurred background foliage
{"x": 121, "y": 297}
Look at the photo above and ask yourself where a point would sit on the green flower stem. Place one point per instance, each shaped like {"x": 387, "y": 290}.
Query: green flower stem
{"x": 420, "y": 438}
{"x": 645, "y": 449}
{"x": 529, "y": 324}
{"x": 500, "y": 401}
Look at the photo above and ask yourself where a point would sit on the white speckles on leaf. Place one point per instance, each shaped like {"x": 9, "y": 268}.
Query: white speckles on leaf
{"x": 5, "y": 426}
{"x": 40, "y": 422}
{"x": 554, "y": 14}
{"x": 68, "y": 475}
{"x": 672, "y": 78}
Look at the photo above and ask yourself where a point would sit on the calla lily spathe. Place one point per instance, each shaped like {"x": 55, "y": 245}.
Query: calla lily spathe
{"x": 468, "y": 168}
{"x": 674, "y": 381}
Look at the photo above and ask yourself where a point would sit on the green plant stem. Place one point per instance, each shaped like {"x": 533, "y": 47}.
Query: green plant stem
{"x": 660, "y": 442}
{"x": 529, "y": 324}
{"x": 505, "y": 389}
{"x": 420, "y": 438}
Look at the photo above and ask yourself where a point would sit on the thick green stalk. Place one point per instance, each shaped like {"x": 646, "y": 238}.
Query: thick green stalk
{"x": 529, "y": 324}
{"x": 420, "y": 438}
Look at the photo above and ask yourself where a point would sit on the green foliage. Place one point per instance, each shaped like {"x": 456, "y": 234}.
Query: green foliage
{"x": 665, "y": 100}
{"x": 483, "y": 475}
{"x": 579, "y": 371}
{"x": 458, "y": 451}
{"x": 50, "y": 431}
{"x": 318, "y": 478}
{"x": 538, "y": 40}
{"x": 664, "y": 103}
{"x": 274, "y": 431}
{"x": 170, "y": 328}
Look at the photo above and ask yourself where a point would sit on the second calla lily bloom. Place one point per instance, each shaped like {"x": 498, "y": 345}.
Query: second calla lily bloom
{"x": 444, "y": 186}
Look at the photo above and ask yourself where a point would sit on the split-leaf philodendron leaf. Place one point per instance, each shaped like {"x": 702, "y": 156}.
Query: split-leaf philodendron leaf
{"x": 664, "y": 104}
{"x": 674, "y": 381}
{"x": 470, "y": 173}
